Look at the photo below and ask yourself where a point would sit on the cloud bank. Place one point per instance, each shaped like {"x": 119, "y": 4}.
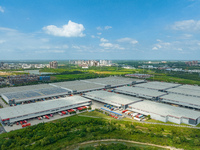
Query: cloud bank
{"x": 71, "y": 29}
{"x": 1, "y": 9}
{"x": 128, "y": 40}
{"x": 189, "y": 25}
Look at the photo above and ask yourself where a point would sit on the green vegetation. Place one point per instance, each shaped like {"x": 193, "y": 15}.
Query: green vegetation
{"x": 68, "y": 72}
{"x": 167, "y": 78}
{"x": 118, "y": 146}
{"x": 4, "y": 101}
{"x": 154, "y": 121}
{"x": 65, "y": 132}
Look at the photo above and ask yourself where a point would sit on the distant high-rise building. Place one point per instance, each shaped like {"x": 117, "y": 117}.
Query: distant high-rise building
{"x": 53, "y": 64}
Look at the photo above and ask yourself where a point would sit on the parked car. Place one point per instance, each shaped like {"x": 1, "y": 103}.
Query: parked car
{"x": 47, "y": 117}
{"x": 60, "y": 113}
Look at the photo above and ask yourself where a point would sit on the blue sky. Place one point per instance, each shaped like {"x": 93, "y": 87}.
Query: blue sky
{"x": 100, "y": 29}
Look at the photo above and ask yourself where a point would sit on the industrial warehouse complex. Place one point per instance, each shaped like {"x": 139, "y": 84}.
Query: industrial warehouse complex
{"x": 166, "y": 113}
{"x": 111, "y": 98}
{"x": 29, "y": 111}
{"x": 162, "y": 101}
{"x": 15, "y": 95}
{"x": 140, "y": 92}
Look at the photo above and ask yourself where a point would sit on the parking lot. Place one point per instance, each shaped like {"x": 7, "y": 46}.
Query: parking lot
{"x": 36, "y": 121}
{"x": 56, "y": 116}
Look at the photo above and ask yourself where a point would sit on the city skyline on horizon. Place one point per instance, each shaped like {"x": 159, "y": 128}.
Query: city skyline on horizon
{"x": 94, "y": 30}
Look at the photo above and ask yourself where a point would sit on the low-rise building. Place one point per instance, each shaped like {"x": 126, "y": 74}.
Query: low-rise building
{"x": 165, "y": 113}
{"x": 14, "y": 114}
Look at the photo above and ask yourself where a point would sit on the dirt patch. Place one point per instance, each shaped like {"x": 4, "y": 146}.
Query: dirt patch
{"x": 120, "y": 140}
{"x": 103, "y": 72}
{"x": 4, "y": 73}
{"x": 138, "y": 127}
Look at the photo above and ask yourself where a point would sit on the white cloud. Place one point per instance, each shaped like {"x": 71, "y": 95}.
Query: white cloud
{"x": 111, "y": 46}
{"x": 186, "y": 36}
{"x": 99, "y": 28}
{"x": 92, "y": 36}
{"x": 154, "y": 48}
{"x": 17, "y": 42}
{"x": 107, "y": 27}
{"x": 2, "y": 41}
{"x": 161, "y": 44}
{"x": 179, "y": 49}
{"x": 50, "y": 51}
{"x": 44, "y": 40}
{"x": 75, "y": 47}
{"x": 1, "y": 9}
{"x": 103, "y": 28}
{"x": 158, "y": 46}
{"x": 158, "y": 40}
{"x": 128, "y": 40}
{"x": 71, "y": 29}
{"x": 99, "y": 33}
{"x": 103, "y": 40}
{"x": 183, "y": 46}
{"x": 7, "y": 29}
{"x": 187, "y": 25}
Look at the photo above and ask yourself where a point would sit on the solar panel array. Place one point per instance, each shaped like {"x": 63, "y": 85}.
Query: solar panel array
{"x": 24, "y": 88}
{"x": 35, "y": 93}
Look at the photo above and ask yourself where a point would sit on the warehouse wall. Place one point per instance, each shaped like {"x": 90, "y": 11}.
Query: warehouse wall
{"x": 173, "y": 119}
{"x": 159, "y": 117}
{"x": 185, "y": 120}
{"x": 198, "y": 120}
{"x": 5, "y": 98}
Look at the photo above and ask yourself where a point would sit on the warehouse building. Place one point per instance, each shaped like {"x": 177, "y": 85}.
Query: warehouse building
{"x": 81, "y": 86}
{"x": 32, "y": 95}
{"x": 188, "y": 90}
{"x": 140, "y": 92}
{"x": 24, "y": 88}
{"x": 161, "y": 86}
{"x": 111, "y": 98}
{"x": 115, "y": 81}
{"x": 78, "y": 86}
{"x": 164, "y": 112}
{"x": 23, "y": 112}
{"x": 181, "y": 100}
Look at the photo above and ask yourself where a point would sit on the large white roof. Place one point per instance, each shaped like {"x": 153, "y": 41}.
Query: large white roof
{"x": 157, "y": 85}
{"x": 78, "y": 85}
{"x": 24, "y": 88}
{"x": 140, "y": 91}
{"x": 186, "y": 90}
{"x": 187, "y": 100}
{"x": 165, "y": 110}
{"x": 15, "y": 111}
{"x": 35, "y": 94}
{"x": 110, "y": 97}
{"x": 114, "y": 81}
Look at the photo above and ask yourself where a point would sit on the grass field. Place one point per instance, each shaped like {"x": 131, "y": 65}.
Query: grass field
{"x": 174, "y": 79}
